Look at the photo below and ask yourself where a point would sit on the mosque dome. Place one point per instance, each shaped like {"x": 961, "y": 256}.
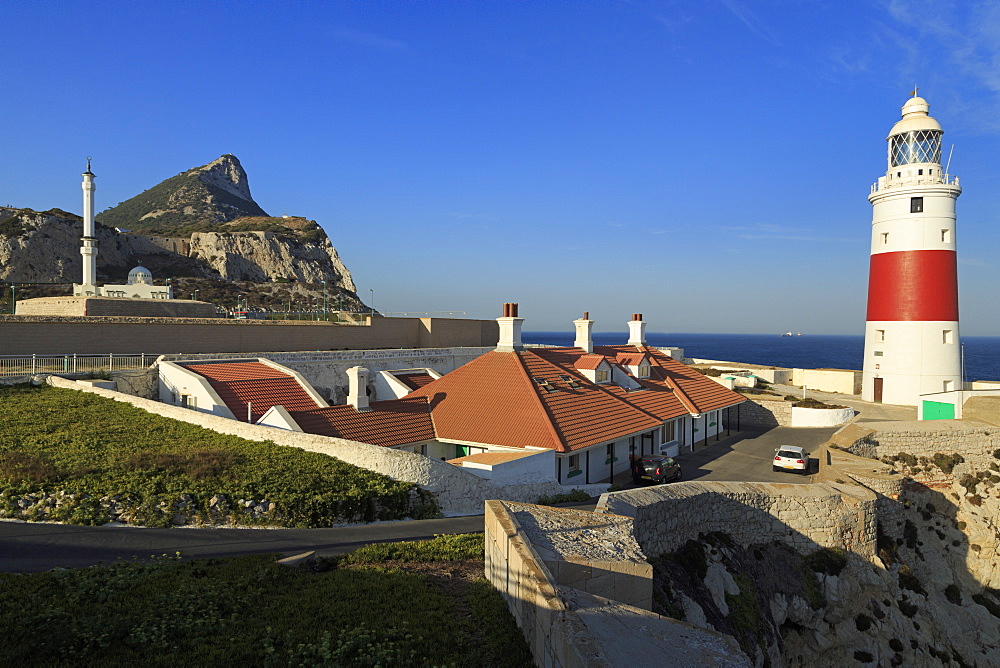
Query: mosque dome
{"x": 140, "y": 275}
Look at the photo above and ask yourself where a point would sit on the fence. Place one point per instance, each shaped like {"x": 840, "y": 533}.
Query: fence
{"x": 23, "y": 365}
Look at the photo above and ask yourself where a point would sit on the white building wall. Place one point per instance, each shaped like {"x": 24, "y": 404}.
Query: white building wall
{"x": 177, "y": 382}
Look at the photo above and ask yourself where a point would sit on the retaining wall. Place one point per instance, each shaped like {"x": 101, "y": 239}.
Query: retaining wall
{"x": 802, "y": 516}
{"x": 763, "y": 413}
{"x": 457, "y": 491}
{"x": 565, "y": 626}
{"x": 25, "y": 335}
{"x": 975, "y": 442}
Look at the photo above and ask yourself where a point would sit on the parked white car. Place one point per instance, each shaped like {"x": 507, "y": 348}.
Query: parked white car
{"x": 790, "y": 458}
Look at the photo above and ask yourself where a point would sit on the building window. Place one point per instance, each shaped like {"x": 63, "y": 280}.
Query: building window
{"x": 947, "y": 336}
{"x": 946, "y": 236}
{"x": 574, "y": 466}
{"x": 916, "y": 205}
{"x": 920, "y": 172}
{"x": 885, "y": 238}
{"x": 669, "y": 431}
{"x": 423, "y": 449}
{"x": 877, "y": 353}
{"x": 880, "y": 335}
{"x": 602, "y": 376}
{"x": 643, "y": 371}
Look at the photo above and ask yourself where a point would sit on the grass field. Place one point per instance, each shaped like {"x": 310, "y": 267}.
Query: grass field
{"x": 400, "y": 604}
{"x": 81, "y": 448}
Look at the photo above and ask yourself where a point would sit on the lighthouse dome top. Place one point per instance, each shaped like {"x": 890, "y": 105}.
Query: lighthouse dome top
{"x": 915, "y": 117}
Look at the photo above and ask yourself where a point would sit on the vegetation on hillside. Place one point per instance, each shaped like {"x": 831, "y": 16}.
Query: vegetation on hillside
{"x": 82, "y": 448}
{"x": 430, "y": 606}
{"x": 184, "y": 201}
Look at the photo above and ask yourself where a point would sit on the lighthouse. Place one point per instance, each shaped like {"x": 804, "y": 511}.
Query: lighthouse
{"x": 911, "y": 334}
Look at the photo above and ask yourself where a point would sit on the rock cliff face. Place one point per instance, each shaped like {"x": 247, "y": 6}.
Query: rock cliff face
{"x": 44, "y": 247}
{"x": 196, "y": 200}
{"x": 202, "y": 223}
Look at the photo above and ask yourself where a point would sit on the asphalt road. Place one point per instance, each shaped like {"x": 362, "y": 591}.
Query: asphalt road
{"x": 32, "y": 546}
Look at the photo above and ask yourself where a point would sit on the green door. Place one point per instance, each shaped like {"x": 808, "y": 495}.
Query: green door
{"x": 936, "y": 410}
{"x": 461, "y": 451}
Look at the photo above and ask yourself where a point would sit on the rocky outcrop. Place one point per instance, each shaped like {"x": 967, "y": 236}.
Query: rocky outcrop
{"x": 195, "y": 200}
{"x": 44, "y": 247}
{"x": 263, "y": 256}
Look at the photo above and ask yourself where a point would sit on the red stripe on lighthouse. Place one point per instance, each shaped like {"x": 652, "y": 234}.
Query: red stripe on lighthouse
{"x": 913, "y": 285}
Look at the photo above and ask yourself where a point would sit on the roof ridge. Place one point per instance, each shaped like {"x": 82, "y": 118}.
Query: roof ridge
{"x": 560, "y": 440}
{"x": 681, "y": 395}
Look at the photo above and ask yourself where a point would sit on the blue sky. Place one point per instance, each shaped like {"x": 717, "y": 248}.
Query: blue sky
{"x": 704, "y": 163}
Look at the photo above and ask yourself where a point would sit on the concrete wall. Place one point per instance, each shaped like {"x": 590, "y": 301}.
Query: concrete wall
{"x": 821, "y": 417}
{"x": 457, "y": 491}
{"x": 569, "y": 627}
{"x": 802, "y": 516}
{"x": 982, "y": 408}
{"x": 841, "y": 381}
{"x": 25, "y": 335}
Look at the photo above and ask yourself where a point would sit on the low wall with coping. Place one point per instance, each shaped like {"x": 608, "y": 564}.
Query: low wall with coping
{"x": 457, "y": 491}
{"x": 567, "y": 626}
{"x": 45, "y": 335}
{"x": 976, "y": 442}
{"x": 762, "y": 413}
{"x": 821, "y": 417}
{"x": 802, "y": 516}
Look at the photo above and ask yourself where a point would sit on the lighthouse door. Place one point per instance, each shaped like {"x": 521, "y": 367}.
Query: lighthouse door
{"x": 877, "y": 390}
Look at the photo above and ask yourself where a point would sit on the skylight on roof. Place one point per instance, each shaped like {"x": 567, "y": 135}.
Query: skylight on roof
{"x": 540, "y": 380}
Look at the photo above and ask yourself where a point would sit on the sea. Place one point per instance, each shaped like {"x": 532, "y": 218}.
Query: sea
{"x": 808, "y": 351}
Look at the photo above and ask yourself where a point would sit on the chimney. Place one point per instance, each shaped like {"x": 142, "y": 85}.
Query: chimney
{"x": 584, "y": 333}
{"x": 637, "y": 331}
{"x": 357, "y": 388}
{"x": 510, "y": 330}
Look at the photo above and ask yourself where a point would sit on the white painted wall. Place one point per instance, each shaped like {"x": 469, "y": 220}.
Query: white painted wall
{"x": 841, "y": 381}
{"x": 821, "y": 417}
{"x": 175, "y": 381}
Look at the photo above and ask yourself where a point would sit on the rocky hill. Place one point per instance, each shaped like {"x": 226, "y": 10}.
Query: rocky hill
{"x": 197, "y": 200}
{"x": 202, "y": 224}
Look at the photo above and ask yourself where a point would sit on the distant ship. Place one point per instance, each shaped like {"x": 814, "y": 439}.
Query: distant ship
{"x": 787, "y": 334}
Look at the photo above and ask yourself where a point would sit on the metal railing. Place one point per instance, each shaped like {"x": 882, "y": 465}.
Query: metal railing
{"x": 24, "y": 365}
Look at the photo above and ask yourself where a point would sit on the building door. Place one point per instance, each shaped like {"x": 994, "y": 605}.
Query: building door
{"x": 937, "y": 410}
{"x": 877, "y": 394}
{"x": 461, "y": 451}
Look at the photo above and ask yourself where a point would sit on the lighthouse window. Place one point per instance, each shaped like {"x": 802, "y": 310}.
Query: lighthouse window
{"x": 920, "y": 172}
{"x": 885, "y": 238}
{"x": 947, "y": 336}
{"x": 916, "y": 205}
{"x": 877, "y": 353}
{"x": 879, "y": 335}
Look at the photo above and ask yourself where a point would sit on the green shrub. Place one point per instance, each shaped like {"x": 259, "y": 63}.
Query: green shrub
{"x": 969, "y": 482}
{"x": 953, "y": 594}
{"x": 906, "y": 458}
{"x": 566, "y": 497}
{"x": 987, "y": 603}
{"x": 863, "y": 622}
{"x": 908, "y": 580}
{"x": 829, "y": 560}
{"x": 896, "y": 645}
{"x": 863, "y": 657}
{"x": 947, "y": 462}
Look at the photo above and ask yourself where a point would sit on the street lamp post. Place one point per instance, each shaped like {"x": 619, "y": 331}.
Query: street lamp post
{"x": 13, "y": 299}
{"x": 324, "y": 300}
{"x": 372, "y": 301}
{"x": 196, "y": 295}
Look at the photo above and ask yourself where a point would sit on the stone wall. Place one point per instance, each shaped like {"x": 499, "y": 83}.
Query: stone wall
{"x": 457, "y": 492}
{"x": 805, "y": 517}
{"x": 762, "y": 413}
{"x": 565, "y": 626}
{"x": 982, "y": 408}
{"x": 975, "y": 442}
{"x": 116, "y": 306}
{"x": 26, "y": 335}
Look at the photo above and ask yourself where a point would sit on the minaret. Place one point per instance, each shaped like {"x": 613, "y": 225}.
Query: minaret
{"x": 911, "y": 335}
{"x": 89, "y": 247}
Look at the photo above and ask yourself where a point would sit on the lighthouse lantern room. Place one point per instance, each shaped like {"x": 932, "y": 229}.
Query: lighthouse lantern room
{"x": 911, "y": 334}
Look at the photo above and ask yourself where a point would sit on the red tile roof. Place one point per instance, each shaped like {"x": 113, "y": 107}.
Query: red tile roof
{"x": 388, "y": 423}
{"x": 588, "y": 362}
{"x": 414, "y": 380}
{"x": 239, "y": 383}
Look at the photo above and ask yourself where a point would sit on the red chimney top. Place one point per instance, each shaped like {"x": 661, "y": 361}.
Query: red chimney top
{"x": 636, "y": 316}
{"x": 586, "y": 315}
{"x": 510, "y": 309}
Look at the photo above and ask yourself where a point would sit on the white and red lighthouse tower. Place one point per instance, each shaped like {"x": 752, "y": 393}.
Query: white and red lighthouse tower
{"x": 911, "y": 335}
